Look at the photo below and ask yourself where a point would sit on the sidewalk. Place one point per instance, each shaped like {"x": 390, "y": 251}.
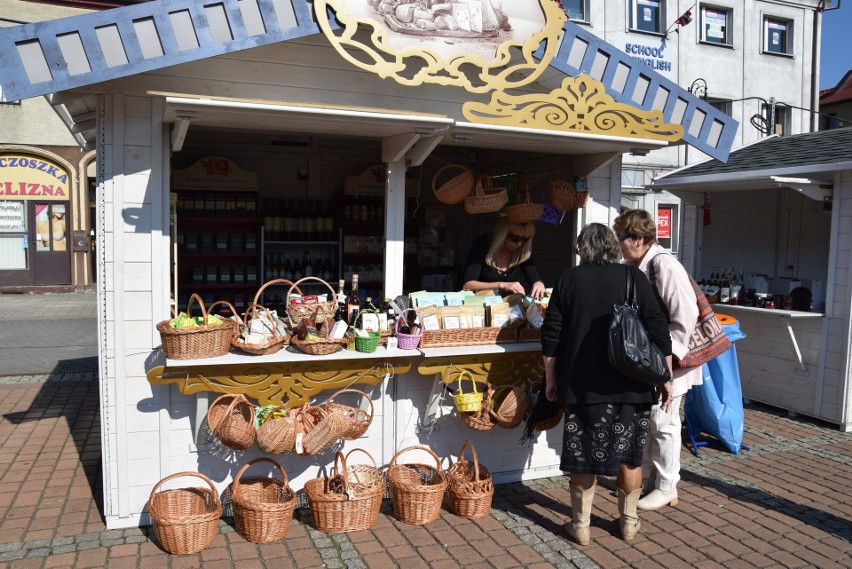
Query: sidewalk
{"x": 784, "y": 503}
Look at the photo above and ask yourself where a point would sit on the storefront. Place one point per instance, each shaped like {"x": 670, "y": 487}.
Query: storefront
{"x": 310, "y": 123}
{"x": 44, "y": 222}
{"x": 777, "y": 213}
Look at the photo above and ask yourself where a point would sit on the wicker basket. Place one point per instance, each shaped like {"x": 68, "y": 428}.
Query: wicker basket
{"x": 263, "y": 506}
{"x": 547, "y": 424}
{"x": 408, "y": 341}
{"x": 456, "y": 189}
{"x": 317, "y": 346}
{"x": 417, "y": 490}
{"x": 276, "y": 343}
{"x": 565, "y": 196}
{"x": 370, "y": 342}
{"x": 509, "y": 405}
{"x": 276, "y": 435}
{"x": 525, "y": 211}
{"x": 467, "y": 402}
{"x": 481, "y": 419}
{"x": 340, "y": 505}
{"x": 359, "y": 419}
{"x": 468, "y": 337}
{"x": 529, "y": 335}
{"x": 258, "y": 296}
{"x": 207, "y": 341}
{"x": 319, "y": 429}
{"x": 470, "y": 487}
{"x": 313, "y": 312}
{"x": 485, "y": 198}
{"x": 231, "y": 419}
{"x": 185, "y": 519}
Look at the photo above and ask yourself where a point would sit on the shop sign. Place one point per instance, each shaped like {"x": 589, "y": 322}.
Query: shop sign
{"x": 25, "y": 177}
{"x": 652, "y": 56}
{"x": 214, "y": 173}
{"x": 372, "y": 182}
{"x": 664, "y": 223}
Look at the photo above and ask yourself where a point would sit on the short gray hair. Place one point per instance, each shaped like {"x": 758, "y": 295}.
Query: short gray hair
{"x": 597, "y": 245}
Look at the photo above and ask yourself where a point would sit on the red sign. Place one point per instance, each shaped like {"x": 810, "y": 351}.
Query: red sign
{"x": 664, "y": 223}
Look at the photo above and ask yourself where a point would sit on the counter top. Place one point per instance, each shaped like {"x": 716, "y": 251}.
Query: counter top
{"x": 732, "y": 308}
{"x": 291, "y": 354}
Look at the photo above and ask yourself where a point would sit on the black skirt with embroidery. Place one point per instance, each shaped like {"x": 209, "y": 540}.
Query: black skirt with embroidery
{"x": 599, "y": 437}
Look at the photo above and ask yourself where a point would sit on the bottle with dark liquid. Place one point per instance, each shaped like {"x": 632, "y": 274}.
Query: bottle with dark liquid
{"x": 353, "y": 303}
{"x": 341, "y": 302}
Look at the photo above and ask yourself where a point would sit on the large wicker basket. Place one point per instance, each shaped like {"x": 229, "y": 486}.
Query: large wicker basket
{"x": 468, "y": 337}
{"x": 525, "y": 211}
{"x": 509, "y": 405}
{"x": 313, "y": 312}
{"x": 455, "y": 189}
{"x": 485, "y": 198}
{"x": 277, "y": 341}
{"x": 263, "y": 506}
{"x": 359, "y": 419}
{"x": 417, "y": 490}
{"x": 231, "y": 419}
{"x": 565, "y": 196}
{"x": 185, "y": 519}
{"x": 470, "y": 486}
{"x": 276, "y": 435}
{"x": 346, "y": 502}
{"x": 207, "y": 341}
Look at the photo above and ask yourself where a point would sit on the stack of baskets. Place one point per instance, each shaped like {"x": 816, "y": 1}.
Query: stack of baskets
{"x": 231, "y": 419}
{"x": 455, "y": 189}
{"x": 206, "y": 341}
{"x": 185, "y": 519}
{"x": 263, "y": 506}
{"x": 470, "y": 487}
{"x": 359, "y": 420}
{"x": 350, "y": 499}
{"x": 485, "y": 198}
{"x": 565, "y": 197}
{"x": 417, "y": 490}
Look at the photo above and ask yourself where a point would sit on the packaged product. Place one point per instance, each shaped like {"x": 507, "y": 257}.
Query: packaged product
{"x": 498, "y": 315}
{"x": 450, "y": 317}
{"x": 472, "y": 316}
{"x": 431, "y": 317}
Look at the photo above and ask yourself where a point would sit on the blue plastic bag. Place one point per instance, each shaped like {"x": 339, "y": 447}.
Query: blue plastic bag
{"x": 716, "y": 406}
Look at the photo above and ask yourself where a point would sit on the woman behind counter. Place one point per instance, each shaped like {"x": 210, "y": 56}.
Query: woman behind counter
{"x": 606, "y": 413}
{"x": 504, "y": 262}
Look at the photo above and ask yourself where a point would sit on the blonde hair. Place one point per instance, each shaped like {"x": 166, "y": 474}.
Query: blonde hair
{"x": 499, "y": 235}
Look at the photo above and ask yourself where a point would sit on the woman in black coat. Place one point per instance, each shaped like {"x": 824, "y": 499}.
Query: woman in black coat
{"x": 606, "y": 413}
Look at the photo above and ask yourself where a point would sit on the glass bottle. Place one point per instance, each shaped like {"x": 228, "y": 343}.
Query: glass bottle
{"x": 307, "y": 265}
{"x": 341, "y": 301}
{"x": 289, "y": 221}
{"x": 309, "y": 223}
{"x": 326, "y": 271}
{"x": 353, "y": 303}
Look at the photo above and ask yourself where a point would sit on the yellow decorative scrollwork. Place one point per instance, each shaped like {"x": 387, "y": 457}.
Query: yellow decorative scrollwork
{"x": 421, "y": 58}
{"x": 580, "y": 104}
{"x": 498, "y": 369}
{"x": 286, "y": 384}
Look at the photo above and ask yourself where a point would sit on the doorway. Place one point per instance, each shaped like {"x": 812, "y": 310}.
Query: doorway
{"x": 51, "y": 258}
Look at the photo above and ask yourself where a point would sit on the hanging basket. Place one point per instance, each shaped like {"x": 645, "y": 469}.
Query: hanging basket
{"x": 481, "y": 419}
{"x": 197, "y": 342}
{"x": 276, "y": 341}
{"x": 565, "y": 197}
{"x": 318, "y": 312}
{"x": 345, "y": 502}
{"x": 185, "y": 519}
{"x": 485, "y": 198}
{"x": 359, "y": 419}
{"x": 408, "y": 341}
{"x": 319, "y": 429}
{"x": 231, "y": 419}
{"x": 276, "y": 434}
{"x": 525, "y": 211}
{"x": 467, "y": 402}
{"x": 416, "y": 490}
{"x": 509, "y": 405}
{"x": 263, "y": 506}
{"x": 455, "y": 189}
{"x": 470, "y": 486}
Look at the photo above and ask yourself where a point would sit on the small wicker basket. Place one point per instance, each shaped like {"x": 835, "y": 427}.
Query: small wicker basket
{"x": 408, "y": 341}
{"x": 467, "y": 402}
{"x": 273, "y": 345}
{"x": 470, "y": 486}
{"x": 481, "y": 419}
{"x": 485, "y": 198}
{"x": 231, "y": 419}
{"x": 207, "y": 341}
{"x": 317, "y": 346}
{"x": 370, "y": 342}
{"x": 417, "y": 490}
{"x": 509, "y": 405}
{"x": 525, "y": 211}
{"x": 276, "y": 435}
{"x": 313, "y": 312}
{"x": 455, "y": 189}
{"x": 185, "y": 519}
{"x": 263, "y": 506}
{"x": 359, "y": 419}
{"x": 469, "y": 336}
{"x": 565, "y": 196}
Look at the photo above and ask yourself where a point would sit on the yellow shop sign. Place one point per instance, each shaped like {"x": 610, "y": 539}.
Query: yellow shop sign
{"x": 31, "y": 177}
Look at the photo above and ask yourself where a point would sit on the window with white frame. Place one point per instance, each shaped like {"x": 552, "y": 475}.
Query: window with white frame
{"x": 777, "y": 36}
{"x": 648, "y": 16}
{"x": 577, "y": 10}
{"x": 716, "y": 25}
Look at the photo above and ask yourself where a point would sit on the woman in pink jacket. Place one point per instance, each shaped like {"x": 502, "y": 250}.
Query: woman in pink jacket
{"x": 637, "y": 232}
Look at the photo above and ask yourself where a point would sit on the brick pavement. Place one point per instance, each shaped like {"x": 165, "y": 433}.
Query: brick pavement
{"x": 784, "y": 503}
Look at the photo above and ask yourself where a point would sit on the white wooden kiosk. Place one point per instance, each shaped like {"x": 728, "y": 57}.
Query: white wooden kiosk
{"x": 138, "y": 83}
{"x": 782, "y": 207}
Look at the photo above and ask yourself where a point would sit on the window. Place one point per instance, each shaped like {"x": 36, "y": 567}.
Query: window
{"x": 777, "y": 119}
{"x": 577, "y": 10}
{"x": 647, "y": 16}
{"x": 722, "y": 105}
{"x": 716, "y": 25}
{"x": 777, "y": 36}
{"x": 667, "y": 226}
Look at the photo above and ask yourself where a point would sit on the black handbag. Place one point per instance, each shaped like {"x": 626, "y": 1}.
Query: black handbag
{"x": 631, "y": 351}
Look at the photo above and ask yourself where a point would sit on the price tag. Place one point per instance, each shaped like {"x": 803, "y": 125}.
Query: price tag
{"x": 299, "y": 448}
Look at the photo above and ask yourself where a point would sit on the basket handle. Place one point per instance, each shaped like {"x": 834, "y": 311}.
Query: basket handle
{"x": 237, "y": 399}
{"x": 259, "y": 294}
{"x": 360, "y": 312}
{"x": 253, "y": 308}
{"x": 444, "y": 169}
{"x": 472, "y": 381}
{"x": 416, "y": 447}
{"x": 361, "y": 393}
{"x": 295, "y": 285}
{"x": 180, "y": 474}
{"x": 224, "y": 303}
{"x": 469, "y": 445}
{"x": 236, "y": 487}
{"x": 417, "y": 312}
{"x": 192, "y": 299}
{"x": 370, "y": 456}
{"x": 343, "y": 471}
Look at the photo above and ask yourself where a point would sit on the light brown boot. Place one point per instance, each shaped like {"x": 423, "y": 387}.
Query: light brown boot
{"x": 629, "y": 522}
{"x": 581, "y": 513}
